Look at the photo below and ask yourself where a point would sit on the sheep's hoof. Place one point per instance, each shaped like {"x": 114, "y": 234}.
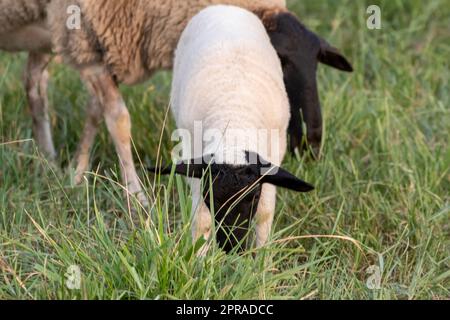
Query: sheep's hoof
{"x": 78, "y": 169}
{"x": 134, "y": 192}
{"x": 78, "y": 178}
{"x": 142, "y": 198}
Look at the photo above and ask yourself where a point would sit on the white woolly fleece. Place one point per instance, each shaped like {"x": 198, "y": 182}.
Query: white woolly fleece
{"x": 228, "y": 75}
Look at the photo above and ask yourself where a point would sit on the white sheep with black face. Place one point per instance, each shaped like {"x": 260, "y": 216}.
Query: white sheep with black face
{"x": 228, "y": 77}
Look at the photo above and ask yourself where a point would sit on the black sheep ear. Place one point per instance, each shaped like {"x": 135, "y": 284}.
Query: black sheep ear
{"x": 286, "y": 180}
{"x": 194, "y": 168}
{"x": 331, "y": 56}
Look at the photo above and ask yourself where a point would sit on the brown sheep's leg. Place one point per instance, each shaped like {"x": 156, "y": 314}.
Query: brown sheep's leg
{"x": 36, "y": 81}
{"x": 102, "y": 86}
{"x": 93, "y": 119}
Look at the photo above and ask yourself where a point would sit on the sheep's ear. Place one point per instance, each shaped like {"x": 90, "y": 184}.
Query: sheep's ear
{"x": 331, "y": 56}
{"x": 287, "y": 180}
{"x": 191, "y": 169}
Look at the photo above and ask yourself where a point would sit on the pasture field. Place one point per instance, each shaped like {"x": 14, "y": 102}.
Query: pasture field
{"x": 376, "y": 227}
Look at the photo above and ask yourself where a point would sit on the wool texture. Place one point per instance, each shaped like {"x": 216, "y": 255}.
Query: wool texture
{"x": 228, "y": 76}
{"x": 132, "y": 38}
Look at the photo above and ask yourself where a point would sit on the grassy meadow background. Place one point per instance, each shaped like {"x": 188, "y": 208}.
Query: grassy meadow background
{"x": 382, "y": 198}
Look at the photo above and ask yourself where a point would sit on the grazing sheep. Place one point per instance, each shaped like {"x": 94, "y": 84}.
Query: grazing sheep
{"x": 125, "y": 41}
{"x": 227, "y": 76}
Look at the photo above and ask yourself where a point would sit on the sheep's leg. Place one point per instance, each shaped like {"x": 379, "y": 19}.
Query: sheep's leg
{"x": 117, "y": 118}
{"x": 94, "y": 116}
{"x": 201, "y": 227}
{"x": 202, "y": 221}
{"x": 265, "y": 214}
{"x": 36, "y": 82}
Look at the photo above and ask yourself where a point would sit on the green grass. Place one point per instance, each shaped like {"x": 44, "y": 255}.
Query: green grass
{"x": 383, "y": 183}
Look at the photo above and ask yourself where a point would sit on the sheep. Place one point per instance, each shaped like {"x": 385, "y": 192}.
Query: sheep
{"x": 125, "y": 41}
{"x": 228, "y": 77}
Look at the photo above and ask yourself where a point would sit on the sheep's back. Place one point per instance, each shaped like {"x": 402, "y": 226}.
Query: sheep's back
{"x": 133, "y": 38}
{"x": 227, "y": 73}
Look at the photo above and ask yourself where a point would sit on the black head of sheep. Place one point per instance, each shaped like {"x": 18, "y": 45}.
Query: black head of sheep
{"x": 300, "y": 51}
{"x": 232, "y": 192}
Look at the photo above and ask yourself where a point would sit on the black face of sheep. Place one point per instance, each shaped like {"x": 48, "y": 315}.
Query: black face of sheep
{"x": 233, "y": 196}
{"x": 233, "y": 192}
{"x": 300, "y": 51}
